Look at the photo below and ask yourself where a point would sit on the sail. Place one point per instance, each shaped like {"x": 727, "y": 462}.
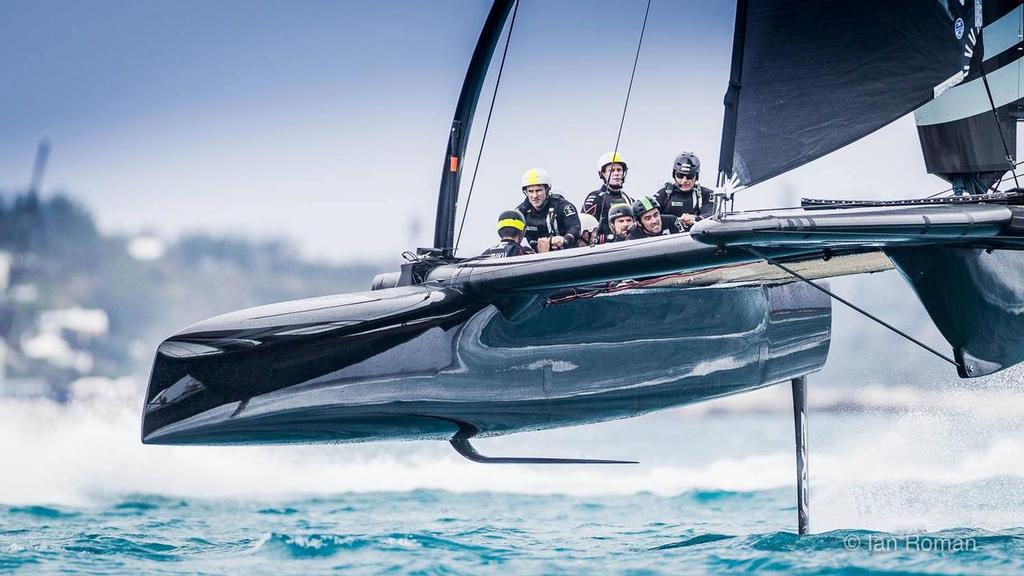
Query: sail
{"x": 960, "y": 135}
{"x": 810, "y": 77}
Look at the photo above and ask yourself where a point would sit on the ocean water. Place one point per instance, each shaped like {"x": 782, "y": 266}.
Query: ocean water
{"x": 903, "y": 480}
{"x": 436, "y": 532}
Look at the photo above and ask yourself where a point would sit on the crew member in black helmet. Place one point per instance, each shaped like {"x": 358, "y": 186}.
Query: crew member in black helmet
{"x": 552, "y": 222}
{"x": 684, "y": 197}
{"x": 620, "y": 220}
{"x": 510, "y": 228}
{"x": 611, "y": 168}
{"x": 649, "y": 221}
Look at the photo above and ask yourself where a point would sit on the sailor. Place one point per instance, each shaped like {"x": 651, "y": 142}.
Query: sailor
{"x": 552, "y": 222}
{"x": 611, "y": 168}
{"x": 588, "y": 231}
{"x": 510, "y": 228}
{"x": 649, "y": 221}
{"x": 620, "y": 220}
{"x": 684, "y": 197}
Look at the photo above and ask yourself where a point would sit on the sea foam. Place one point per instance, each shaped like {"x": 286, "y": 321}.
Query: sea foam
{"x": 913, "y": 461}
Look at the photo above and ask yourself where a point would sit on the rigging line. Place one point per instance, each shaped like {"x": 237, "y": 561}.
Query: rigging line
{"x": 487, "y": 124}
{"x": 622, "y": 121}
{"x": 1002, "y": 138}
{"x": 1006, "y": 149}
{"x": 835, "y": 296}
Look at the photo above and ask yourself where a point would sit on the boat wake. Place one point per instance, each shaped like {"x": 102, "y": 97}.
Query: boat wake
{"x": 908, "y": 465}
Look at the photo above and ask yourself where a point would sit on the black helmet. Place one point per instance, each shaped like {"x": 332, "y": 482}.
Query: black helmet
{"x": 618, "y": 211}
{"x": 687, "y": 163}
{"x": 643, "y": 205}
{"x": 511, "y": 223}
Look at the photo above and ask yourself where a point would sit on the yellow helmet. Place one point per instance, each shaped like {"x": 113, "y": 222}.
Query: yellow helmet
{"x": 511, "y": 219}
{"x": 535, "y": 177}
{"x": 610, "y": 158}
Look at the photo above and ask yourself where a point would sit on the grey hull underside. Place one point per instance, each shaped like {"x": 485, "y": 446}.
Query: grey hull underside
{"x": 590, "y": 359}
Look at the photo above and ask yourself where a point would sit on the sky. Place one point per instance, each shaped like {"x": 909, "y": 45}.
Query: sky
{"x": 325, "y": 123}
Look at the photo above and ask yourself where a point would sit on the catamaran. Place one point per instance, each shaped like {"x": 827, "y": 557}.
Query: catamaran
{"x": 450, "y": 348}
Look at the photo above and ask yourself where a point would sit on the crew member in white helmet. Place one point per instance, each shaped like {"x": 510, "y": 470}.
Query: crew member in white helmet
{"x": 588, "y": 231}
{"x": 611, "y": 168}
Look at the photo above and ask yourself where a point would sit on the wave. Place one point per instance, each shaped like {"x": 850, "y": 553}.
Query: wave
{"x": 104, "y": 544}
{"x": 41, "y": 511}
{"x": 442, "y": 532}
{"x": 310, "y": 545}
{"x": 881, "y": 469}
{"x": 695, "y": 541}
{"x": 319, "y": 545}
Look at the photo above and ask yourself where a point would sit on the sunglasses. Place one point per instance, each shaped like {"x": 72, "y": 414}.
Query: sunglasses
{"x": 682, "y": 176}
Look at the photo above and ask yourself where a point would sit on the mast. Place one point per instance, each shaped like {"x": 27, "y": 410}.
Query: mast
{"x": 732, "y": 95}
{"x": 448, "y": 195}
{"x": 39, "y": 167}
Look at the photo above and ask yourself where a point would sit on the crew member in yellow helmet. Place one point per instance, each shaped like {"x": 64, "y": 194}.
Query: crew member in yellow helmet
{"x": 552, "y": 222}
{"x": 611, "y": 168}
{"x": 511, "y": 225}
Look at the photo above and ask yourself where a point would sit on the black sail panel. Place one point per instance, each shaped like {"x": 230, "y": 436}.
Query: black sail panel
{"x": 809, "y": 77}
{"x": 974, "y": 144}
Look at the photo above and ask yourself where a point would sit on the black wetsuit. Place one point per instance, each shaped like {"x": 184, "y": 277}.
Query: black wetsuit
{"x": 506, "y": 248}
{"x": 599, "y": 201}
{"x": 669, "y": 225}
{"x": 675, "y": 202}
{"x": 556, "y": 217}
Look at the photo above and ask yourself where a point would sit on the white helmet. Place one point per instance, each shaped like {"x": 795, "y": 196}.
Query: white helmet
{"x": 535, "y": 177}
{"x": 588, "y": 229}
{"x": 588, "y": 222}
{"x": 610, "y": 158}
